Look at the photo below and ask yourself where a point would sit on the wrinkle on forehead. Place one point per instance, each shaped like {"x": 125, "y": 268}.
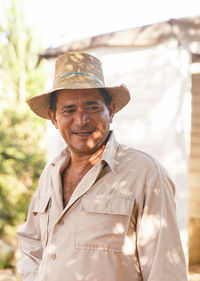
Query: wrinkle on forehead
{"x": 80, "y": 97}
{"x": 70, "y": 106}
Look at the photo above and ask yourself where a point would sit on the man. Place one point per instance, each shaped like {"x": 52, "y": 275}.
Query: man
{"x": 102, "y": 211}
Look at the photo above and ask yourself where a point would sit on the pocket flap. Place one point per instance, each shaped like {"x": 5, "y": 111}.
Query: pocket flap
{"x": 113, "y": 205}
{"x": 42, "y": 205}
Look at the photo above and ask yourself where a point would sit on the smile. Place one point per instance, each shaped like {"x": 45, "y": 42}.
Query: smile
{"x": 83, "y": 133}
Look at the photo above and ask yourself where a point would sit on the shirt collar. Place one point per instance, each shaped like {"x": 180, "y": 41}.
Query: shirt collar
{"x": 108, "y": 156}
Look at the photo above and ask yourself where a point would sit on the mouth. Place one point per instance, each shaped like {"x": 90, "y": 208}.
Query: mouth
{"x": 83, "y": 133}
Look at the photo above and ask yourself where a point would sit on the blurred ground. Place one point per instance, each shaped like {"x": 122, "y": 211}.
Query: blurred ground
{"x": 194, "y": 273}
{"x": 9, "y": 275}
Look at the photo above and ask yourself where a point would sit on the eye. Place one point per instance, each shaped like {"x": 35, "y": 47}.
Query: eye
{"x": 93, "y": 108}
{"x": 69, "y": 111}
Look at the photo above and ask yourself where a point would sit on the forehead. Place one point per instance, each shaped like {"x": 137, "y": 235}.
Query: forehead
{"x": 79, "y": 96}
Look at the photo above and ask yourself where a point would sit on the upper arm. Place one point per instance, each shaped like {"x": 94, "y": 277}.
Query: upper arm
{"x": 158, "y": 241}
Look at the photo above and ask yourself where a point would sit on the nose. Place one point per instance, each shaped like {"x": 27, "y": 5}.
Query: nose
{"x": 81, "y": 118}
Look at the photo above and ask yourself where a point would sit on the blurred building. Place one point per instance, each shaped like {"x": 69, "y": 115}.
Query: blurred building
{"x": 160, "y": 65}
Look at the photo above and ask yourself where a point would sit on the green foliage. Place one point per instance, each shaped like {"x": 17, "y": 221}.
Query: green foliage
{"x": 21, "y": 163}
{"x": 22, "y": 135}
{"x": 6, "y": 255}
{"x": 18, "y": 52}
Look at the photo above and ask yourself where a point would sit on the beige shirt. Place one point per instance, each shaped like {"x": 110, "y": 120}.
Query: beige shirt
{"x": 119, "y": 225}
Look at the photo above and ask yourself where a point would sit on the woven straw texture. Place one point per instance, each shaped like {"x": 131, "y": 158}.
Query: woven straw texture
{"x": 75, "y": 70}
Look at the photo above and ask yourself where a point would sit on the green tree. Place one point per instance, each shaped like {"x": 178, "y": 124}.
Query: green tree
{"x": 22, "y": 139}
{"x": 19, "y": 52}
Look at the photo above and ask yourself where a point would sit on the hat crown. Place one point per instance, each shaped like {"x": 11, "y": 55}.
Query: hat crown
{"x": 75, "y": 70}
{"x": 78, "y": 68}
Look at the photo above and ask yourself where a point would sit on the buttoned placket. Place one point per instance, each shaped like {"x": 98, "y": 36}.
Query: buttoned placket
{"x": 85, "y": 184}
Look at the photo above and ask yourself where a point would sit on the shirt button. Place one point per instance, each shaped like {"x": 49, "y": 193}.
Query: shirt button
{"x": 61, "y": 222}
{"x": 53, "y": 256}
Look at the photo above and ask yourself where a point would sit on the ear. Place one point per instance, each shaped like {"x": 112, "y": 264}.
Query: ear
{"x": 112, "y": 110}
{"x": 52, "y": 116}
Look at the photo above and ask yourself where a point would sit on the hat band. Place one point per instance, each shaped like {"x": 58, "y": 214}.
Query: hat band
{"x": 79, "y": 73}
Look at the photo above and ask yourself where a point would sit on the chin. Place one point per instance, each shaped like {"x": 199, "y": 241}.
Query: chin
{"x": 85, "y": 149}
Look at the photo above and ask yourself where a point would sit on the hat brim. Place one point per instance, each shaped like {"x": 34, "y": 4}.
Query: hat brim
{"x": 40, "y": 104}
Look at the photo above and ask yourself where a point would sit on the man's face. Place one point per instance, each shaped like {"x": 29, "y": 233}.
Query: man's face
{"x": 83, "y": 119}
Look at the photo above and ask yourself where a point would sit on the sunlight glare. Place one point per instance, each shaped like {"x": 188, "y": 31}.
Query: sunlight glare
{"x": 129, "y": 245}
{"x": 119, "y": 228}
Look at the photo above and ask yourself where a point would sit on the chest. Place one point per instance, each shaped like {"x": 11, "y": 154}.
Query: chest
{"x": 70, "y": 180}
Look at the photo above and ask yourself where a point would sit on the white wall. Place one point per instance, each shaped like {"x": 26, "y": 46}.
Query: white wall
{"x": 157, "y": 120}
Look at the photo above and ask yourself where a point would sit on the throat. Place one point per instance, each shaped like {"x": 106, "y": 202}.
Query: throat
{"x": 86, "y": 161}
{"x": 76, "y": 170}
{"x": 71, "y": 177}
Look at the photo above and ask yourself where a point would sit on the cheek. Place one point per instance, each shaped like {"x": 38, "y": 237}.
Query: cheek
{"x": 103, "y": 124}
{"x": 63, "y": 124}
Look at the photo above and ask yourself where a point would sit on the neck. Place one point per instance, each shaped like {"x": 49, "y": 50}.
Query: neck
{"x": 82, "y": 161}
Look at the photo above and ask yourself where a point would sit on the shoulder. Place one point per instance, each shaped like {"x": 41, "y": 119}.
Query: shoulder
{"x": 46, "y": 171}
{"x": 143, "y": 168}
{"x": 138, "y": 160}
{"x": 43, "y": 183}
{"x": 51, "y": 168}
{"x": 132, "y": 156}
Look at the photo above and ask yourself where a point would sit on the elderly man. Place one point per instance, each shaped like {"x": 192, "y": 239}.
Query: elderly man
{"x": 102, "y": 211}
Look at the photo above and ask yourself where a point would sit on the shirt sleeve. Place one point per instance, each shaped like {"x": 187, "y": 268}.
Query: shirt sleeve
{"x": 159, "y": 246}
{"x": 30, "y": 246}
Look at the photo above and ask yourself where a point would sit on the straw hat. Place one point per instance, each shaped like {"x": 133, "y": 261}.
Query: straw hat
{"x": 75, "y": 70}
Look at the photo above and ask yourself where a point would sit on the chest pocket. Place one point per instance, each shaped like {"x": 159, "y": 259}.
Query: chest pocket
{"x": 42, "y": 211}
{"x": 103, "y": 224}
